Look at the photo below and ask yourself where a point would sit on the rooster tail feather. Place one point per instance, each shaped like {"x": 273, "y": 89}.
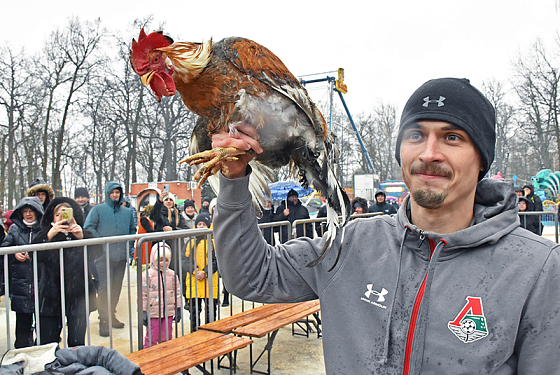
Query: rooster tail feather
{"x": 337, "y": 202}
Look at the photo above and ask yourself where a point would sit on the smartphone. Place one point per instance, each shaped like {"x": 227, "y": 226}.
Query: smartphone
{"x": 67, "y": 214}
{"x": 166, "y": 188}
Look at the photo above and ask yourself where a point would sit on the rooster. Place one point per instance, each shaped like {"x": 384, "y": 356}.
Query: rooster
{"x": 238, "y": 81}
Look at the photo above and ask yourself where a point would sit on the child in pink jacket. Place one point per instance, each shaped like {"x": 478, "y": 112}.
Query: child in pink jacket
{"x": 161, "y": 296}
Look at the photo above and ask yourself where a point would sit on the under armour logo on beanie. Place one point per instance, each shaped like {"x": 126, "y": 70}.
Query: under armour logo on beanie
{"x": 457, "y": 102}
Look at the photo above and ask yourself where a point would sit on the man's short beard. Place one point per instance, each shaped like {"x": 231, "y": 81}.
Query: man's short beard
{"x": 429, "y": 199}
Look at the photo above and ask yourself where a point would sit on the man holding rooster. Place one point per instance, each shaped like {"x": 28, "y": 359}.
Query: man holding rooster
{"x": 428, "y": 290}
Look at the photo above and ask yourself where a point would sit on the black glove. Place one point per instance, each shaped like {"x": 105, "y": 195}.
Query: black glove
{"x": 145, "y": 318}
{"x": 178, "y": 314}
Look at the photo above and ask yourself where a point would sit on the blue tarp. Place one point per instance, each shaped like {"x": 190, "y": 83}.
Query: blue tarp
{"x": 279, "y": 190}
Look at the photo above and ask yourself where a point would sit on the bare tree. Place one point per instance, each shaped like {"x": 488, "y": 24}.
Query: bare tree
{"x": 16, "y": 84}
{"x": 495, "y": 92}
{"x": 78, "y": 47}
{"x": 536, "y": 83}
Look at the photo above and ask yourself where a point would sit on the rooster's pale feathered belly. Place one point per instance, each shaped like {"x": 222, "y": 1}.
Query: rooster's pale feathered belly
{"x": 285, "y": 131}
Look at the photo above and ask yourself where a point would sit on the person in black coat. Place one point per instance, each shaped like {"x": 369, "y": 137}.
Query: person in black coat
{"x": 81, "y": 196}
{"x": 381, "y": 204}
{"x": 293, "y": 210}
{"x": 26, "y": 219}
{"x": 529, "y": 222}
{"x": 54, "y": 228}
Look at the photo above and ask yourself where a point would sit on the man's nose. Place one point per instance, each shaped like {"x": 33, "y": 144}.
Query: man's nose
{"x": 432, "y": 150}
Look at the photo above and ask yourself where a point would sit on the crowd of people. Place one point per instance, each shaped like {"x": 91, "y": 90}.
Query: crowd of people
{"x": 40, "y": 217}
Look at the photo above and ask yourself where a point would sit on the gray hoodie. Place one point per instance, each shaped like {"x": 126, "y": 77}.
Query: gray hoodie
{"x": 485, "y": 299}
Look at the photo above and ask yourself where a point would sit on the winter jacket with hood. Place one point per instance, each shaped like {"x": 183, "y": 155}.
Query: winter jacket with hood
{"x": 111, "y": 219}
{"x": 40, "y": 185}
{"x": 297, "y": 212}
{"x": 49, "y": 266}
{"x": 404, "y": 301}
{"x": 21, "y": 273}
{"x": 158, "y": 286}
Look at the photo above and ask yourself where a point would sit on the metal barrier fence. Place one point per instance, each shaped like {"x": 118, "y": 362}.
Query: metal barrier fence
{"x": 179, "y": 241}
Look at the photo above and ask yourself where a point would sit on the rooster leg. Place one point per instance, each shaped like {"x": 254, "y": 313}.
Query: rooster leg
{"x": 214, "y": 161}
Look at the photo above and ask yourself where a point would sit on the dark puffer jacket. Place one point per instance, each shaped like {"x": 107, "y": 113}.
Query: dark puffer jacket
{"x": 21, "y": 273}
{"x": 49, "y": 265}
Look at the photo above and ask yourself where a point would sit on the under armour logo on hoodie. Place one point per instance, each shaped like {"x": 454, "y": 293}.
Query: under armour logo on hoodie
{"x": 439, "y": 101}
{"x": 380, "y": 295}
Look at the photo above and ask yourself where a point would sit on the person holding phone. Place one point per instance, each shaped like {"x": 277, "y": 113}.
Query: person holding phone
{"x": 63, "y": 221}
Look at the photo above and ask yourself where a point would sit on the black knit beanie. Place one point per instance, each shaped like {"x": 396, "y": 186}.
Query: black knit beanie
{"x": 81, "y": 192}
{"x": 204, "y": 217}
{"x": 457, "y": 102}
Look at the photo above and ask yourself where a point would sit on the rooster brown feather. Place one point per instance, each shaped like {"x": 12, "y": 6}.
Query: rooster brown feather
{"x": 238, "y": 81}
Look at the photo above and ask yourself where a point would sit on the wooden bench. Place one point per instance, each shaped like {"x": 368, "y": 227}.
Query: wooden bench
{"x": 226, "y": 325}
{"x": 271, "y": 324}
{"x": 182, "y": 353}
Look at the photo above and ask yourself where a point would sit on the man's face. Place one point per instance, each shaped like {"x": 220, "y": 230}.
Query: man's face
{"x": 527, "y": 191}
{"x": 522, "y": 206}
{"x": 439, "y": 164}
{"x": 82, "y": 200}
{"x": 189, "y": 210}
{"x": 201, "y": 225}
{"x": 380, "y": 198}
{"x": 293, "y": 199}
{"x": 115, "y": 194}
{"x": 205, "y": 204}
{"x": 41, "y": 195}
{"x": 519, "y": 193}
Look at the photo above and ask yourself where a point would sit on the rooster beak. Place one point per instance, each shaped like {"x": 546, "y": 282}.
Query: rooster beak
{"x": 146, "y": 78}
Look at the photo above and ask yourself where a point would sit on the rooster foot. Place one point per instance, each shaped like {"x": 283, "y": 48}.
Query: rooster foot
{"x": 214, "y": 161}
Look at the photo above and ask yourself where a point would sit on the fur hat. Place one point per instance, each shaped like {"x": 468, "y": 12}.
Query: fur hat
{"x": 40, "y": 185}
{"x": 457, "y": 102}
{"x": 361, "y": 202}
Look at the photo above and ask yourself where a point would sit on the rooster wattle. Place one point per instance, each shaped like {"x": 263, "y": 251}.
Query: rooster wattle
{"x": 238, "y": 81}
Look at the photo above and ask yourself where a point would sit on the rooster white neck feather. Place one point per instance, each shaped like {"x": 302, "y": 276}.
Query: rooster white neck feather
{"x": 189, "y": 59}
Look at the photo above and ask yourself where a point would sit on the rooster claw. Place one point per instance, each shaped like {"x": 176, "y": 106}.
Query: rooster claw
{"x": 214, "y": 161}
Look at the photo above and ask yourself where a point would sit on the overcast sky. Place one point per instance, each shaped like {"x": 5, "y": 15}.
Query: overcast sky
{"x": 388, "y": 48}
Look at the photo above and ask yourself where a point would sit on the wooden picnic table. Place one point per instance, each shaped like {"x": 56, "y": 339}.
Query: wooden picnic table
{"x": 192, "y": 350}
{"x": 271, "y": 324}
{"x": 226, "y": 325}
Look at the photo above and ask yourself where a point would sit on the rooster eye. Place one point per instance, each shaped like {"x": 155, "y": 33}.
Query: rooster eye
{"x": 156, "y": 59}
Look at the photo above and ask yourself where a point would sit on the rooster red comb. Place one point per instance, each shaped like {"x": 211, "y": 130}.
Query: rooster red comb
{"x": 151, "y": 41}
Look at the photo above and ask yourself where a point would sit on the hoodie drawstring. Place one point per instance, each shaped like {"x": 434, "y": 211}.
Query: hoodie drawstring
{"x": 390, "y": 314}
